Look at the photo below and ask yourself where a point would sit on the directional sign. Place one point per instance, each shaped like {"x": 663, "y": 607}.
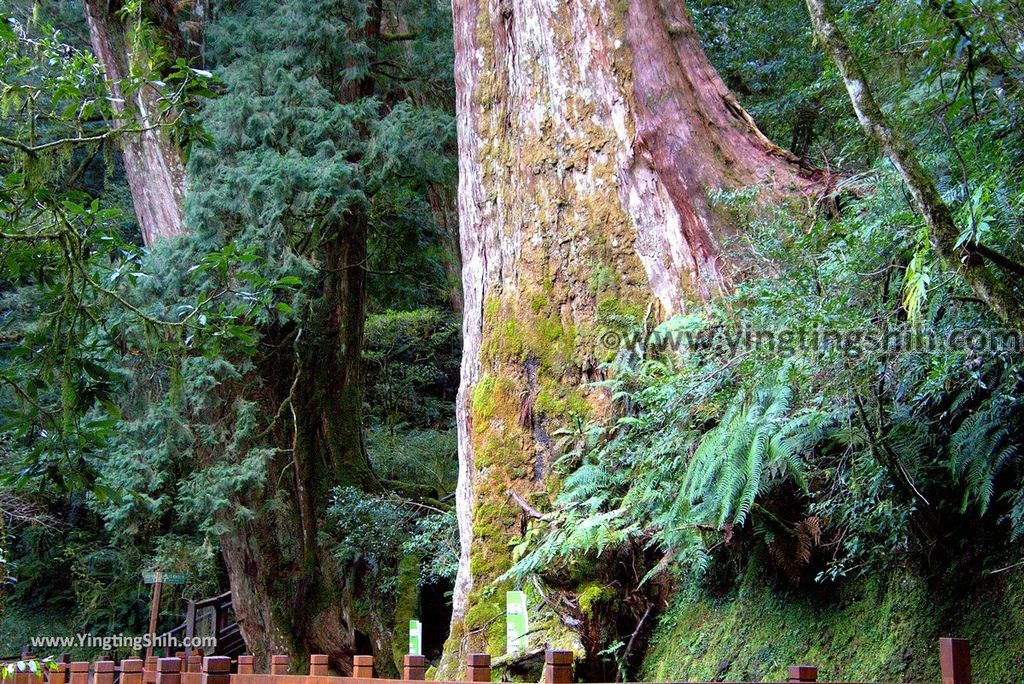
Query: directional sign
{"x": 516, "y": 622}
{"x": 415, "y": 638}
{"x": 154, "y": 577}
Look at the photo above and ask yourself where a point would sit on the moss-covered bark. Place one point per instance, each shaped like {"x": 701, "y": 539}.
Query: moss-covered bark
{"x": 584, "y": 169}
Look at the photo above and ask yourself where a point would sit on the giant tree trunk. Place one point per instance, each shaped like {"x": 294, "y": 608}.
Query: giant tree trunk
{"x": 589, "y": 133}
{"x": 289, "y": 594}
{"x": 152, "y": 160}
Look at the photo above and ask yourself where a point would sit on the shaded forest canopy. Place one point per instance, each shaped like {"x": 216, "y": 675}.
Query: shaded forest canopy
{"x": 370, "y": 310}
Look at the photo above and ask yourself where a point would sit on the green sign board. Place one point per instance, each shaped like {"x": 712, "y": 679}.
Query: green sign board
{"x": 153, "y": 577}
{"x": 415, "y": 638}
{"x": 516, "y": 622}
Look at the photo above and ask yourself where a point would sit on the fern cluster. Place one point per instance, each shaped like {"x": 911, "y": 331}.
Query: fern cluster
{"x": 695, "y": 451}
{"x": 759, "y": 441}
{"x": 838, "y": 461}
{"x": 983, "y": 448}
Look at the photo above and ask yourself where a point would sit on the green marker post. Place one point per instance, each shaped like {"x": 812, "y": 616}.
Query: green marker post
{"x": 516, "y": 622}
{"x": 415, "y": 638}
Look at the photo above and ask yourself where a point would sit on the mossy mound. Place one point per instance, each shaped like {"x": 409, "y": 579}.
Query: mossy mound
{"x": 881, "y": 628}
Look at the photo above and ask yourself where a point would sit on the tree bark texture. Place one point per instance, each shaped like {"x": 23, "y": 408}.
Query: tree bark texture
{"x": 289, "y": 594}
{"x": 153, "y": 162}
{"x": 589, "y": 134}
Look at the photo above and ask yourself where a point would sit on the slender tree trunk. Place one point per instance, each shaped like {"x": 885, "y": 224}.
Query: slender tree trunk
{"x": 442, "y": 205}
{"x": 152, "y": 160}
{"x": 969, "y": 259}
{"x": 589, "y": 135}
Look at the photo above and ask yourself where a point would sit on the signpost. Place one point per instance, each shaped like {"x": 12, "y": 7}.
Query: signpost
{"x": 158, "y": 579}
{"x": 516, "y": 622}
{"x": 415, "y": 638}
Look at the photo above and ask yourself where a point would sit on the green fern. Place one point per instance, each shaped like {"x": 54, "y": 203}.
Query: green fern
{"x": 758, "y": 443}
{"x": 981, "y": 449}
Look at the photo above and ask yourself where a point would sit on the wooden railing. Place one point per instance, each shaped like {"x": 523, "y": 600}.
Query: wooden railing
{"x": 954, "y": 658}
{"x": 220, "y": 612}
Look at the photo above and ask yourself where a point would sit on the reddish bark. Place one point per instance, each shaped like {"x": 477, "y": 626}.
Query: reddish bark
{"x": 153, "y": 162}
{"x": 590, "y": 132}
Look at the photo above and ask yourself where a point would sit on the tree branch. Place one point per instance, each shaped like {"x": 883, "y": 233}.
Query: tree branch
{"x": 527, "y": 508}
{"x": 942, "y": 229}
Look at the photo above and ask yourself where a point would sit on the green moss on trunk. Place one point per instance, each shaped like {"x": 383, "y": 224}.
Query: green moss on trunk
{"x": 406, "y": 606}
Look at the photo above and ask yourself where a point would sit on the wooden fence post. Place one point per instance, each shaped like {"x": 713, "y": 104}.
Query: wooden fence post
{"x": 955, "y": 659}
{"x": 103, "y": 672}
{"x": 362, "y": 667}
{"x": 149, "y": 672}
{"x": 58, "y": 676}
{"x": 557, "y": 667}
{"x": 131, "y": 671}
{"x": 414, "y": 668}
{"x": 246, "y": 664}
{"x": 279, "y": 664}
{"x": 80, "y": 672}
{"x": 195, "y": 662}
{"x": 217, "y": 670}
{"x": 168, "y": 671}
{"x": 318, "y": 665}
{"x": 190, "y": 623}
{"x": 802, "y": 673}
{"x": 478, "y": 667}
{"x": 27, "y": 676}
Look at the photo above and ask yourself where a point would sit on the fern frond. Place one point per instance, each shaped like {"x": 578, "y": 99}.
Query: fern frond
{"x": 758, "y": 442}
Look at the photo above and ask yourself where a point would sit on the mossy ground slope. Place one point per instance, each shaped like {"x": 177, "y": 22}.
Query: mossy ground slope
{"x": 873, "y": 629}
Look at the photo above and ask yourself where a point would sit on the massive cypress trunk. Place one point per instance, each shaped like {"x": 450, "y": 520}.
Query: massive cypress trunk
{"x": 152, "y": 160}
{"x": 289, "y": 593}
{"x": 589, "y": 134}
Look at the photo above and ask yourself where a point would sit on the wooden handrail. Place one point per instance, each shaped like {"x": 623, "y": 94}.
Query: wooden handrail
{"x": 219, "y": 600}
{"x": 955, "y": 660}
